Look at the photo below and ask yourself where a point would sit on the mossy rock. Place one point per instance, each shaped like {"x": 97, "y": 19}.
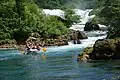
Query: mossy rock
{"x": 85, "y": 54}
{"x": 90, "y": 26}
{"x": 87, "y": 50}
{"x": 106, "y": 49}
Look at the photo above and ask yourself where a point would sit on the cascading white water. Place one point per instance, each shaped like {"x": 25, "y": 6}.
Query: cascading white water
{"x": 84, "y": 14}
{"x": 92, "y": 36}
{"x": 55, "y": 12}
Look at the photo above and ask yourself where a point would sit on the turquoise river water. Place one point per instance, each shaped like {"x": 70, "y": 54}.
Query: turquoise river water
{"x": 55, "y": 64}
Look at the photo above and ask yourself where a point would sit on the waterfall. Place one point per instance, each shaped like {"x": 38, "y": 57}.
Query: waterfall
{"x": 92, "y": 35}
{"x": 84, "y": 14}
{"x": 55, "y": 12}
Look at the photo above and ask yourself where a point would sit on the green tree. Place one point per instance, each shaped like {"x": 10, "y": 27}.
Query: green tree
{"x": 71, "y": 17}
{"x": 109, "y": 11}
{"x": 20, "y": 18}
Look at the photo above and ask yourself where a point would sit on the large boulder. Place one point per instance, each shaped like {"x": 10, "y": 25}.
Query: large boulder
{"x": 113, "y": 34}
{"x": 106, "y": 49}
{"x": 81, "y": 35}
{"x": 90, "y": 26}
{"x": 76, "y": 36}
{"x": 103, "y": 49}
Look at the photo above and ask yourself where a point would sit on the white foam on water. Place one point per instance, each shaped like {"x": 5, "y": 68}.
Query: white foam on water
{"x": 85, "y": 17}
{"x": 79, "y": 26}
{"x": 84, "y": 43}
{"x": 55, "y": 12}
{"x": 84, "y": 14}
{"x": 101, "y": 25}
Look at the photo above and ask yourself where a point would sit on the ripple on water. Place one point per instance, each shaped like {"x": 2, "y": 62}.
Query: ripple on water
{"x": 60, "y": 65}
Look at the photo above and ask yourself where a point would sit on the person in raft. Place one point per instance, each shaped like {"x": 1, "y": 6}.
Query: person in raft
{"x": 33, "y": 47}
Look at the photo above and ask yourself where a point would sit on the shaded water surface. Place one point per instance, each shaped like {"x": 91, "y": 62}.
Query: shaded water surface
{"x": 56, "y": 65}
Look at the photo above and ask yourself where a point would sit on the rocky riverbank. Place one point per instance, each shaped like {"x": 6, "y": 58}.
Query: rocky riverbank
{"x": 72, "y": 35}
{"x": 103, "y": 49}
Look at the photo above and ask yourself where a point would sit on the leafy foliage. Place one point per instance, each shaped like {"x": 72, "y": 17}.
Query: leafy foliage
{"x": 58, "y": 4}
{"x": 51, "y": 4}
{"x": 108, "y": 13}
{"x": 71, "y": 17}
{"x": 20, "y": 18}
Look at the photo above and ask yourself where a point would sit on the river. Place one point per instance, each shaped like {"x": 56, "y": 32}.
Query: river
{"x": 59, "y": 63}
{"x": 55, "y": 65}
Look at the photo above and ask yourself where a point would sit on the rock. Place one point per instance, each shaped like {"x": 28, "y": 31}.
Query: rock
{"x": 104, "y": 28}
{"x": 113, "y": 34}
{"x": 59, "y": 40}
{"x": 90, "y": 26}
{"x": 76, "y": 42}
{"x": 81, "y": 35}
{"x": 103, "y": 49}
{"x": 117, "y": 51}
{"x": 36, "y": 35}
{"x": 106, "y": 49}
{"x": 85, "y": 55}
{"x": 54, "y": 42}
{"x": 76, "y": 36}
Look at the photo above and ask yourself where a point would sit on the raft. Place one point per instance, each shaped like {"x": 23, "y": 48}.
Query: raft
{"x": 34, "y": 51}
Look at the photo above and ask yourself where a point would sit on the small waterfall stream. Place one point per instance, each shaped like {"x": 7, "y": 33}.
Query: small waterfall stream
{"x": 92, "y": 35}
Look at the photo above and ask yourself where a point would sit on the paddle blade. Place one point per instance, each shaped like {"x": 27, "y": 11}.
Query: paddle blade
{"x": 44, "y": 49}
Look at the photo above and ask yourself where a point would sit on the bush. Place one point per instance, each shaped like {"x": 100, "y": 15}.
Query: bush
{"x": 71, "y": 17}
{"x": 19, "y": 18}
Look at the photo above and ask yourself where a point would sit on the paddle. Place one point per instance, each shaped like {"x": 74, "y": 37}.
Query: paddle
{"x": 44, "y": 49}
